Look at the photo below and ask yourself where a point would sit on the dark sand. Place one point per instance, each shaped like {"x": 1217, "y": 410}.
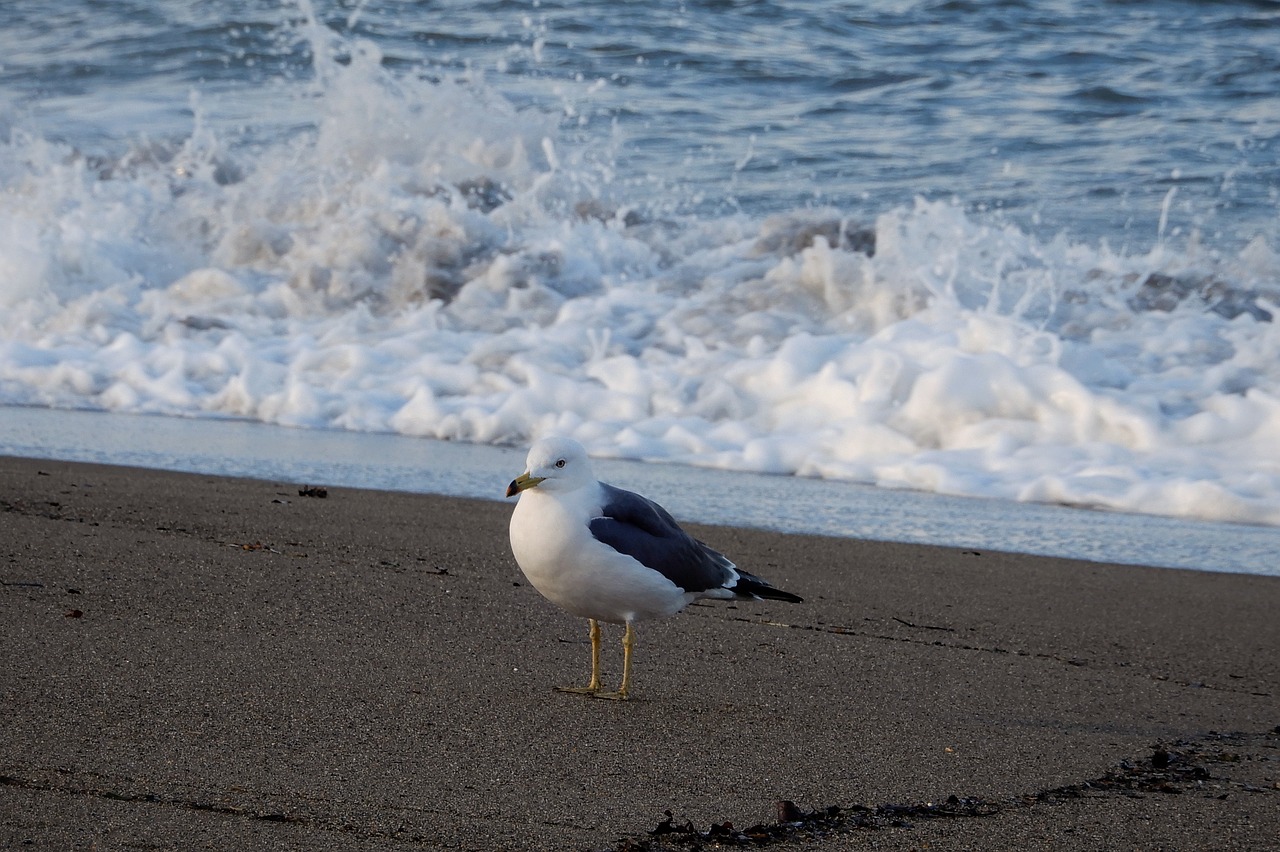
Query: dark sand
{"x": 189, "y": 662}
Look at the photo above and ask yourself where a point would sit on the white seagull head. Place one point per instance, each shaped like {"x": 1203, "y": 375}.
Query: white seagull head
{"x": 554, "y": 465}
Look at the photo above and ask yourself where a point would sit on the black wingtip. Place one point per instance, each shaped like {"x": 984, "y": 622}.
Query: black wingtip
{"x": 772, "y": 594}
{"x": 749, "y": 586}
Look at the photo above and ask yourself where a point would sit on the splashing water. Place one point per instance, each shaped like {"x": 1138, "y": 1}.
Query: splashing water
{"x": 384, "y": 246}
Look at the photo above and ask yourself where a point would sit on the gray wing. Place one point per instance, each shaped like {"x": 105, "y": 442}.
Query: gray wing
{"x": 645, "y": 531}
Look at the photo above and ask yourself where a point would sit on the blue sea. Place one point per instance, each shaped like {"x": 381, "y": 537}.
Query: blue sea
{"x": 878, "y": 252}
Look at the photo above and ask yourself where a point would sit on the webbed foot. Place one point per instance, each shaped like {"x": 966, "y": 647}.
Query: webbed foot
{"x": 579, "y": 690}
{"x": 620, "y": 695}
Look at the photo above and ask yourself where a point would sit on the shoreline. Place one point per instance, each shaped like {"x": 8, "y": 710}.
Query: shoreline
{"x": 230, "y": 664}
{"x": 782, "y": 504}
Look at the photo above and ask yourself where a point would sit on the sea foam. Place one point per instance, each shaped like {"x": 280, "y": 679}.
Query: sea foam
{"x": 421, "y": 256}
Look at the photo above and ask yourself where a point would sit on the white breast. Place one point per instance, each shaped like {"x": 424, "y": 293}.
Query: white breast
{"x": 557, "y": 553}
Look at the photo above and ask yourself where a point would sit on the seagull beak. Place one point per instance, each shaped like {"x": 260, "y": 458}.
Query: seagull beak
{"x": 521, "y": 483}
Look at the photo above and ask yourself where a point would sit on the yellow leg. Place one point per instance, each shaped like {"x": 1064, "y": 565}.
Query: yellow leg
{"x": 594, "y": 686}
{"x": 628, "y": 641}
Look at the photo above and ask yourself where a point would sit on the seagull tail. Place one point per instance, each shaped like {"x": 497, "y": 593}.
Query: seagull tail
{"x": 751, "y": 586}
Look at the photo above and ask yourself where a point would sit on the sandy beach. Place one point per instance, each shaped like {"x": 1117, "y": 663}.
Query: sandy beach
{"x": 191, "y": 662}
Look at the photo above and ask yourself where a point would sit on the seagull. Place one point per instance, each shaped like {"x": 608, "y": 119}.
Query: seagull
{"x": 605, "y": 554}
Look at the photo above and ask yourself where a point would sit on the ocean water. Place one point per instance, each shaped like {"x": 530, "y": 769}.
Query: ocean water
{"x": 1022, "y": 251}
{"x": 294, "y": 458}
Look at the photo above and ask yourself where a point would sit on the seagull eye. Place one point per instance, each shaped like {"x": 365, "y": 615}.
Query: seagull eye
{"x": 560, "y": 463}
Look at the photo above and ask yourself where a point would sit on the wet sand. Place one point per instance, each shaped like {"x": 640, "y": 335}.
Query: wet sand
{"x": 205, "y": 663}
